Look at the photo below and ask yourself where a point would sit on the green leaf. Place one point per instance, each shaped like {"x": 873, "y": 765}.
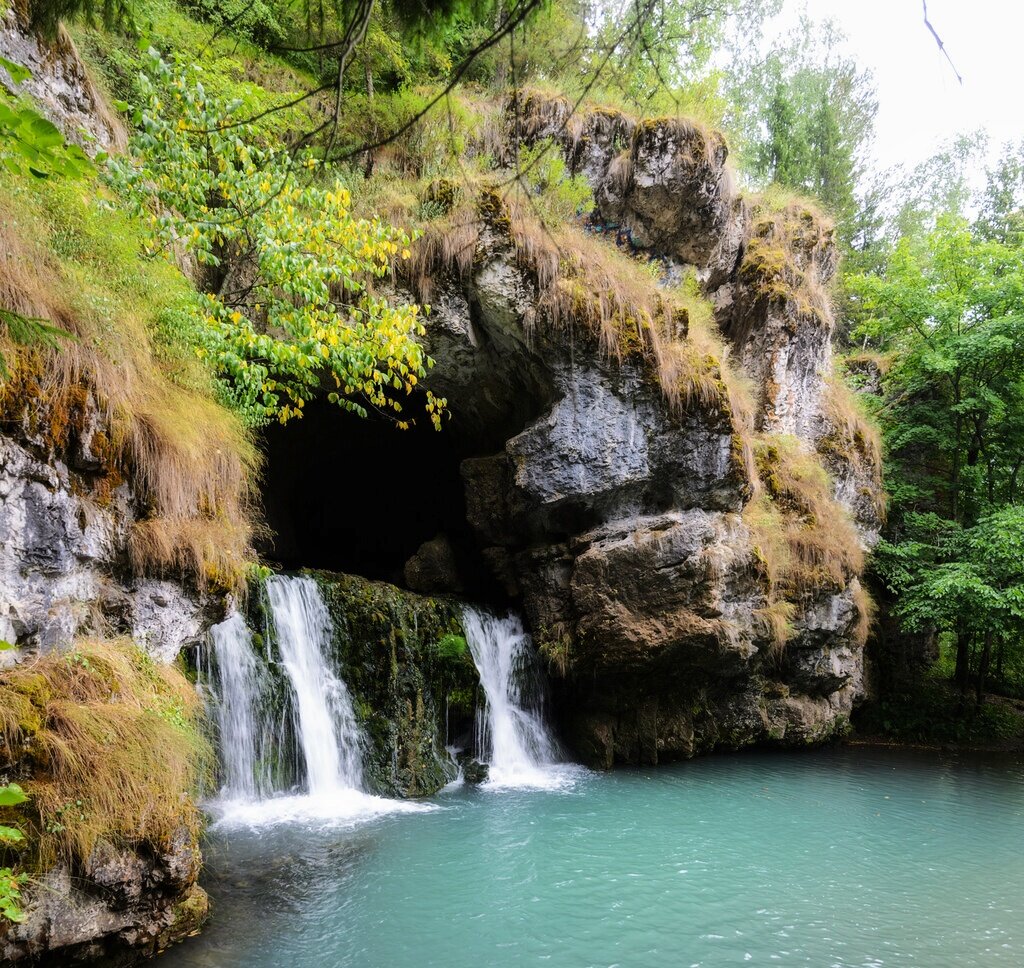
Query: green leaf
{"x": 45, "y": 132}
{"x": 10, "y": 835}
{"x": 17, "y": 71}
{"x": 11, "y": 795}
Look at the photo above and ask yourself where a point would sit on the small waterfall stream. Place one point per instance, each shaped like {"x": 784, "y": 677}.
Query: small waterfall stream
{"x": 317, "y": 709}
{"x": 240, "y": 712}
{"x": 512, "y": 733}
{"x": 291, "y": 745}
{"x": 329, "y": 736}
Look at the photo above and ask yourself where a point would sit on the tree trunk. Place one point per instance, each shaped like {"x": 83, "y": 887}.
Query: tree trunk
{"x": 1012, "y": 497}
{"x": 501, "y": 70}
{"x": 368, "y": 161}
{"x": 986, "y": 657}
{"x": 962, "y": 676}
{"x": 955, "y": 483}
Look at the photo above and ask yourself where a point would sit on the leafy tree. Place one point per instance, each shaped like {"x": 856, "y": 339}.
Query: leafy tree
{"x": 662, "y": 52}
{"x": 806, "y": 119}
{"x": 1001, "y": 214}
{"x": 287, "y": 303}
{"x": 47, "y": 15}
{"x": 30, "y": 143}
{"x": 948, "y": 309}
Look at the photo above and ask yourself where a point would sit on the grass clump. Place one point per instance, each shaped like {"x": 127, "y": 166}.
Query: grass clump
{"x": 805, "y": 543}
{"x": 808, "y": 542}
{"x": 107, "y": 744}
{"x": 776, "y": 623}
{"x": 70, "y": 260}
{"x": 451, "y": 646}
{"x": 589, "y": 286}
{"x": 788, "y": 255}
{"x": 852, "y": 437}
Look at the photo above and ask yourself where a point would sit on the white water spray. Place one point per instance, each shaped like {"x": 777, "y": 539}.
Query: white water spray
{"x": 512, "y": 731}
{"x": 239, "y": 711}
{"x": 328, "y": 733}
{"x": 330, "y": 743}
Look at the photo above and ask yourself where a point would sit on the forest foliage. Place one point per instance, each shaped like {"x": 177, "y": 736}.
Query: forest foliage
{"x": 376, "y": 116}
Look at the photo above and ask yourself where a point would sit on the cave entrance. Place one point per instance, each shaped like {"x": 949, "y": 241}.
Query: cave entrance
{"x": 351, "y": 494}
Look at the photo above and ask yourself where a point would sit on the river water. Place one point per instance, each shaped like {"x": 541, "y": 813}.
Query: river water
{"x": 841, "y": 857}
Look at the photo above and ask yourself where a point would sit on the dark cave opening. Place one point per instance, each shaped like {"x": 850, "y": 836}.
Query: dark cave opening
{"x": 357, "y": 495}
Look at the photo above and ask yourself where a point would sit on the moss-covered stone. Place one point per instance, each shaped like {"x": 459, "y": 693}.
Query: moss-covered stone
{"x": 407, "y": 665}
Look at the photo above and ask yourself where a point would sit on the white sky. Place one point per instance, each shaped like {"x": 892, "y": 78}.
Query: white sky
{"x": 920, "y": 102}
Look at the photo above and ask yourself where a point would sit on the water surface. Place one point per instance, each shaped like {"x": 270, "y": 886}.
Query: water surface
{"x": 844, "y": 857}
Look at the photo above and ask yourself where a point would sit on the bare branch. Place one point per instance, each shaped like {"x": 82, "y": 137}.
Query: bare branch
{"x": 938, "y": 40}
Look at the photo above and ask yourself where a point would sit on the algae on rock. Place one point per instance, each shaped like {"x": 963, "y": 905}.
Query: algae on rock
{"x": 405, "y": 661}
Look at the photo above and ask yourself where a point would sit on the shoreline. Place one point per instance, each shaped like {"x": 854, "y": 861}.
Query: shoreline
{"x": 1007, "y": 749}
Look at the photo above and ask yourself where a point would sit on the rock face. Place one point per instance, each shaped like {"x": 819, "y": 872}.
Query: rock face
{"x": 60, "y": 84}
{"x": 433, "y": 568}
{"x": 136, "y": 906}
{"x": 630, "y": 528}
{"x": 67, "y": 515}
{"x": 65, "y": 521}
{"x": 407, "y": 665}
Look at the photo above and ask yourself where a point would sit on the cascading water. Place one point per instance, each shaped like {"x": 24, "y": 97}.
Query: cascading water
{"x": 329, "y": 741}
{"x": 512, "y": 732}
{"x": 245, "y": 735}
{"x": 329, "y": 736}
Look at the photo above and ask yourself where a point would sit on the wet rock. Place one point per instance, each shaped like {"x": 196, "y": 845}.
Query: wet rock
{"x": 412, "y": 680}
{"x": 433, "y": 568}
{"x": 63, "y": 568}
{"x": 620, "y": 522}
{"x": 473, "y": 771}
{"x": 125, "y": 905}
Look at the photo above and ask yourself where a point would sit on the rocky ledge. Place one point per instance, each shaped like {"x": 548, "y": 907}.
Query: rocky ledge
{"x": 682, "y": 517}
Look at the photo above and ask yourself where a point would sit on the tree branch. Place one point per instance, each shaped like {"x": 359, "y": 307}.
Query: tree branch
{"x": 938, "y": 40}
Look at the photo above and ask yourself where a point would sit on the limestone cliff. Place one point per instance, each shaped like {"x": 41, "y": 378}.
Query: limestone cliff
{"x": 101, "y": 483}
{"x": 66, "y": 522}
{"x": 686, "y": 563}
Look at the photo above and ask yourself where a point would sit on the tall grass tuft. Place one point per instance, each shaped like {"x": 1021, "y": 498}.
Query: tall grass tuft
{"x": 108, "y": 746}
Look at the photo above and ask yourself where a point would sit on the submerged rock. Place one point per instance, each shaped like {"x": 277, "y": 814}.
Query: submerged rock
{"x": 473, "y": 771}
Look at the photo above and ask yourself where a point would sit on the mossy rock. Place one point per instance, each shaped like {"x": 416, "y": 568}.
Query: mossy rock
{"x": 406, "y": 662}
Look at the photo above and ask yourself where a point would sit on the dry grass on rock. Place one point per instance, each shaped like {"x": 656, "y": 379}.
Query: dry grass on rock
{"x": 65, "y": 260}
{"x": 107, "y": 745}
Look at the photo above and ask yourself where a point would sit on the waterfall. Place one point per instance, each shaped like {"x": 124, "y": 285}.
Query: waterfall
{"x": 329, "y": 736}
{"x": 512, "y": 732}
{"x": 244, "y": 732}
{"x": 317, "y": 706}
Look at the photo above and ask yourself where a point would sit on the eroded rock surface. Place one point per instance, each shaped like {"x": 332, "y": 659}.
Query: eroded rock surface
{"x": 59, "y": 84}
{"x": 136, "y": 904}
{"x": 624, "y": 524}
{"x": 65, "y": 520}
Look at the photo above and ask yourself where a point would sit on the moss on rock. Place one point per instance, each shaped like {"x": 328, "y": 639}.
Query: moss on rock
{"x": 407, "y": 665}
